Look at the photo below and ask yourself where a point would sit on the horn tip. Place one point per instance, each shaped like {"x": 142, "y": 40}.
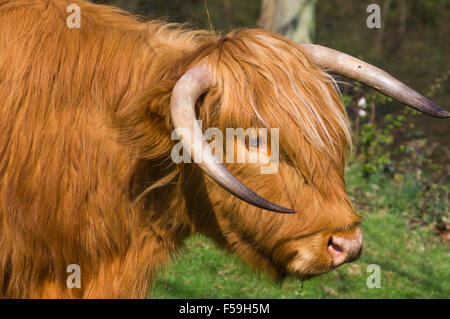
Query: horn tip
{"x": 284, "y": 210}
{"x": 444, "y": 115}
{"x": 428, "y": 107}
{"x": 277, "y": 208}
{"x": 440, "y": 113}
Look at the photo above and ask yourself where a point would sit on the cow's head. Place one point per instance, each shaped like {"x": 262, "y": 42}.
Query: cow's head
{"x": 253, "y": 79}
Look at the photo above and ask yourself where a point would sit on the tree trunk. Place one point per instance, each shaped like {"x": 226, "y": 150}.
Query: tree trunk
{"x": 292, "y": 18}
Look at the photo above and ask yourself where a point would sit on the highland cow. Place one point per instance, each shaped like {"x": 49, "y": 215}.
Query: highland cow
{"x": 86, "y": 175}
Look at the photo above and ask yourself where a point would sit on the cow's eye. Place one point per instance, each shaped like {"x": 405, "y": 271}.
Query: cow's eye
{"x": 256, "y": 142}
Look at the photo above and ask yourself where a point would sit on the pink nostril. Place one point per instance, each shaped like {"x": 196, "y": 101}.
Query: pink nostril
{"x": 344, "y": 249}
{"x": 336, "y": 252}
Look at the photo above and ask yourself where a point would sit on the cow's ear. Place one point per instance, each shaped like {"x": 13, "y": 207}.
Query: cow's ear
{"x": 144, "y": 123}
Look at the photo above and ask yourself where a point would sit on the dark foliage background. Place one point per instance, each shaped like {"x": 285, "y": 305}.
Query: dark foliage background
{"x": 413, "y": 43}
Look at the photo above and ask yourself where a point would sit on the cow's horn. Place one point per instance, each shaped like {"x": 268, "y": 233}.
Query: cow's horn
{"x": 187, "y": 90}
{"x": 353, "y": 68}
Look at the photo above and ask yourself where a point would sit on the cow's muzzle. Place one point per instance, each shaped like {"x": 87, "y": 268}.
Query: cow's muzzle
{"x": 344, "y": 248}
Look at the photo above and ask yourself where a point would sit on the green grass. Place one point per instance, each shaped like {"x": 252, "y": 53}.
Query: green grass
{"x": 414, "y": 264}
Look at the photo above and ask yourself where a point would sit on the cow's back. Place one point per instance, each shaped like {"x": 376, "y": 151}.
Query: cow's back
{"x": 63, "y": 196}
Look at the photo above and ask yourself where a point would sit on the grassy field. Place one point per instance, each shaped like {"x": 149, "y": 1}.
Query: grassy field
{"x": 414, "y": 263}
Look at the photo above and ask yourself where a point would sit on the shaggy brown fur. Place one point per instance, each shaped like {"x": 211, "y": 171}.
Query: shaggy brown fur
{"x": 85, "y": 130}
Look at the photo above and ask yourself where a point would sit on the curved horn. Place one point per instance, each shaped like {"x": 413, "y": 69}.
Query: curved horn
{"x": 353, "y": 68}
{"x": 187, "y": 90}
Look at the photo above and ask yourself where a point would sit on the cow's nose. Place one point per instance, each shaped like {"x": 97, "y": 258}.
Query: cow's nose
{"x": 343, "y": 249}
